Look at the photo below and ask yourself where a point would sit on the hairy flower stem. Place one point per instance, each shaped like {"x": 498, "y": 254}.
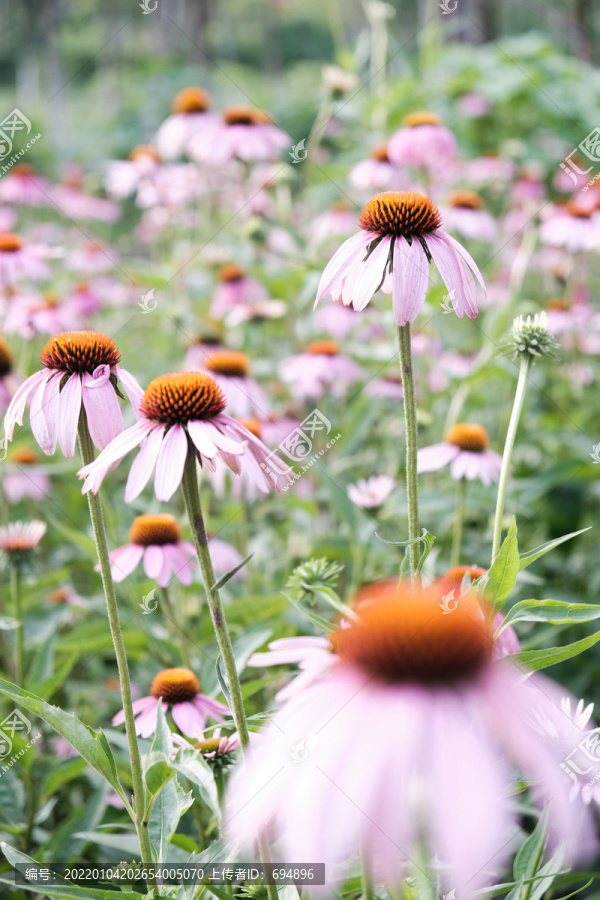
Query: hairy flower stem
{"x": 15, "y": 589}
{"x": 191, "y": 496}
{"x": 459, "y": 514}
{"x": 87, "y": 455}
{"x": 508, "y": 449}
{"x": 410, "y": 419}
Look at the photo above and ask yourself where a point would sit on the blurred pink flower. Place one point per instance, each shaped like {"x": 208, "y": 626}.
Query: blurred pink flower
{"x": 377, "y": 173}
{"x": 155, "y": 540}
{"x": 24, "y": 477}
{"x": 320, "y": 369}
{"x": 21, "y": 260}
{"x": 370, "y": 493}
{"x": 243, "y": 132}
{"x": 80, "y": 368}
{"x": 235, "y": 289}
{"x": 465, "y": 215}
{"x": 23, "y": 185}
{"x": 230, "y": 370}
{"x": 401, "y": 233}
{"x": 573, "y": 227}
{"x": 179, "y": 690}
{"x": 190, "y": 115}
{"x": 465, "y": 449}
{"x": 423, "y": 143}
{"x": 313, "y": 654}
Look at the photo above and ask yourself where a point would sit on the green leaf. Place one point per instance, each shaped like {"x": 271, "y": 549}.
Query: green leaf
{"x": 244, "y": 646}
{"x": 498, "y": 583}
{"x": 557, "y": 612}
{"x": 12, "y": 798}
{"x": 190, "y": 764}
{"x": 62, "y": 772}
{"x": 170, "y": 805}
{"x": 162, "y": 742}
{"x": 156, "y": 772}
{"x": 60, "y": 891}
{"x": 526, "y": 559}
{"x": 90, "y": 744}
{"x": 68, "y": 840}
{"x": 229, "y": 575}
{"x": 541, "y": 659}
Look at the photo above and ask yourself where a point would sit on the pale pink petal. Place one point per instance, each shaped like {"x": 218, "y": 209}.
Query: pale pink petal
{"x": 455, "y": 274}
{"x": 181, "y": 562}
{"x": 212, "y": 708}
{"x": 189, "y": 719}
{"x": 124, "y": 560}
{"x": 14, "y": 413}
{"x": 429, "y": 459}
{"x": 467, "y": 258}
{"x": 102, "y": 408}
{"x": 44, "y": 412}
{"x": 200, "y": 435}
{"x": 153, "y": 560}
{"x": 145, "y": 724}
{"x": 142, "y": 466}
{"x": 137, "y": 706}
{"x": 70, "y": 409}
{"x": 350, "y": 251}
{"x": 131, "y": 386}
{"x": 410, "y": 278}
{"x": 170, "y": 463}
{"x": 114, "y": 453}
{"x": 371, "y": 275}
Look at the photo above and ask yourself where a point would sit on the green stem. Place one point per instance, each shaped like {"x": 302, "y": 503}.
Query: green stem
{"x": 15, "y": 588}
{"x": 191, "y": 496}
{"x": 177, "y": 630}
{"x": 508, "y": 449}
{"x": 367, "y": 884}
{"x": 87, "y": 455}
{"x": 459, "y": 513}
{"x": 410, "y": 419}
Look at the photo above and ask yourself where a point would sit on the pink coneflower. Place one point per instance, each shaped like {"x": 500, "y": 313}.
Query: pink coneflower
{"x": 21, "y": 260}
{"x": 180, "y": 690}
{"x": 369, "y": 493}
{"x": 465, "y": 449}
{"x": 473, "y": 105}
{"x": 377, "y": 173}
{"x": 321, "y": 369}
{"x": 230, "y": 369}
{"x": 243, "y": 132}
{"x": 92, "y": 256}
{"x": 450, "y": 722}
{"x": 337, "y": 320}
{"x": 465, "y": 215}
{"x": 190, "y": 115}
{"x": 235, "y": 289}
{"x": 337, "y": 221}
{"x": 573, "y": 227}
{"x": 177, "y": 408}
{"x": 75, "y": 203}
{"x": 123, "y": 176}
{"x": 24, "y": 477}
{"x": 23, "y": 185}
{"x": 389, "y": 386}
{"x": 9, "y": 382}
{"x": 18, "y": 539}
{"x": 423, "y": 143}
{"x": 401, "y": 233}
{"x": 28, "y": 315}
{"x": 155, "y": 540}
{"x": 66, "y": 595}
{"x": 491, "y": 169}
{"x": 81, "y": 370}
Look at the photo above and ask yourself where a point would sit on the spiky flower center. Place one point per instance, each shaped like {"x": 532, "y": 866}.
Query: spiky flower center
{"x": 404, "y": 636}
{"x": 323, "y": 348}
{"x": 175, "y": 686}
{"x": 229, "y": 362}
{"x": 468, "y": 436}
{"x": 191, "y": 100}
{"x": 24, "y": 457}
{"x": 413, "y": 120}
{"x": 253, "y": 426}
{"x": 160, "y": 528}
{"x": 465, "y": 200}
{"x": 231, "y": 272}
{"x": 380, "y": 153}
{"x": 405, "y": 214}
{"x": 245, "y": 115}
{"x": 79, "y": 351}
{"x": 146, "y": 151}
{"x": 179, "y": 397}
{"x": 6, "y": 359}
{"x": 577, "y": 211}
{"x": 210, "y": 746}
{"x": 10, "y": 243}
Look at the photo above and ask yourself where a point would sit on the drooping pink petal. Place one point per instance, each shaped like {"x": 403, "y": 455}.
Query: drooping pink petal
{"x": 43, "y": 413}
{"x": 210, "y": 707}
{"x": 180, "y": 562}
{"x": 350, "y": 251}
{"x": 138, "y": 706}
{"x": 455, "y": 274}
{"x": 189, "y": 719}
{"x": 170, "y": 463}
{"x": 114, "y": 453}
{"x": 102, "y": 408}
{"x": 468, "y": 259}
{"x": 200, "y": 435}
{"x": 131, "y": 386}
{"x": 142, "y": 466}
{"x": 145, "y": 723}
{"x": 14, "y": 413}
{"x": 124, "y": 560}
{"x": 371, "y": 275}
{"x": 70, "y": 408}
{"x": 429, "y": 459}
{"x": 410, "y": 278}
